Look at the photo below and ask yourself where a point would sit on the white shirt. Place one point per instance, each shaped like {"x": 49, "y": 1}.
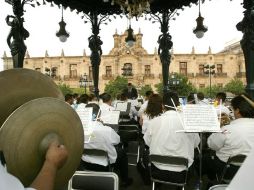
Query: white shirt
{"x": 162, "y": 139}
{"x": 239, "y": 139}
{"x": 222, "y": 109}
{"x": 146, "y": 122}
{"x": 103, "y": 138}
{"x": 9, "y": 182}
{"x": 142, "y": 108}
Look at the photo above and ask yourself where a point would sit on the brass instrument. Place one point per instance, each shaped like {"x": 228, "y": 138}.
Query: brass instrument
{"x": 224, "y": 119}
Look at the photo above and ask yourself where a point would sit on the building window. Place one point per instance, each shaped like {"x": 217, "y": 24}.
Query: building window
{"x": 147, "y": 70}
{"x": 90, "y": 76}
{"x": 201, "y": 85}
{"x": 201, "y": 68}
{"x": 108, "y": 71}
{"x": 239, "y": 68}
{"x": 127, "y": 69}
{"x": 73, "y": 70}
{"x": 183, "y": 68}
{"x": 219, "y": 68}
{"x": 54, "y": 71}
{"x": 38, "y": 69}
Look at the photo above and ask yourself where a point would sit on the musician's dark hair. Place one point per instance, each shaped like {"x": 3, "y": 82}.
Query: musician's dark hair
{"x": 149, "y": 93}
{"x": 83, "y": 99}
{"x": 154, "y": 106}
{"x": 191, "y": 98}
{"x": 245, "y": 108}
{"x": 222, "y": 96}
{"x": 95, "y": 107}
{"x": 168, "y": 102}
{"x": 106, "y": 97}
{"x": 68, "y": 97}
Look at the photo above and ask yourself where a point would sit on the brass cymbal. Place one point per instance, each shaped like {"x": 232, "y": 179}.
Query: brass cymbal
{"x": 25, "y": 134}
{"x": 19, "y": 86}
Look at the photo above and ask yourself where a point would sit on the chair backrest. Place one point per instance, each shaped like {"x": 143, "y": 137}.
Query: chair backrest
{"x": 219, "y": 187}
{"x": 86, "y": 180}
{"x": 169, "y": 160}
{"x": 232, "y": 166}
{"x": 98, "y": 152}
{"x": 128, "y": 133}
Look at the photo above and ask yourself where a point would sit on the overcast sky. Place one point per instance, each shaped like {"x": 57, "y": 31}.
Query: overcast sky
{"x": 220, "y": 16}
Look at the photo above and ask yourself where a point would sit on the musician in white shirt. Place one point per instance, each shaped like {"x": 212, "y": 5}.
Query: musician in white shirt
{"x": 220, "y": 101}
{"x": 105, "y": 138}
{"x": 154, "y": 109}
{"x": 162, "y": 138}
{"x": 237, "y": 138}
{"x": 105, "y": 106}
{"x": 144, "y": 105}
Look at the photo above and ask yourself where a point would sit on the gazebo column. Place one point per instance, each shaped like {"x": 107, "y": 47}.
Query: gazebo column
{"x": 165, "y": 44}
{"x": 247, "y": 44}
{"x": 96, "y": 51}
{"x": 18, "y": 33}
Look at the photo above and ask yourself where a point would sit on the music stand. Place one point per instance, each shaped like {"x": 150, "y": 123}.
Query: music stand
{"x": 194, "y": 122}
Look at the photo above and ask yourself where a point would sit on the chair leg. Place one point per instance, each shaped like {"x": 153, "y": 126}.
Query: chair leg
{"x": 153, "y": 185}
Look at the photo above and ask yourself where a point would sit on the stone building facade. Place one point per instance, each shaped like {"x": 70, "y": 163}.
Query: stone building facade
{"x": 139, "y": 67}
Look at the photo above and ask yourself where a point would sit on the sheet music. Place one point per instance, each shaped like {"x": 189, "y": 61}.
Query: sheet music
{"x": 121, "y": 106}
{"x": 85, "y": 116}
{"x": 200, "y": 118}
{"x": 111, "y": 118}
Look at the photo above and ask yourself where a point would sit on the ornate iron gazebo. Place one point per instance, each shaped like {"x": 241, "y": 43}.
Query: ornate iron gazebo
{"x": 99, "y": 11}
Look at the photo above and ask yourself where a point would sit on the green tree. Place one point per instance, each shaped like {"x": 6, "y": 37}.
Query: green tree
{"x": 214, "y": 90}
{"x": 65, "y": 89}
{"x": 116, "y": 86}
{"x": 159, "y": 88}
{"x": 183, "y": 88}
{"x": 234, "y": 86}
{"x": 144, "y": 89}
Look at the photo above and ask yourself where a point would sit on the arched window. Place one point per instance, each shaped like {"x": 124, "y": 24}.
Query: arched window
{"x": 127, "y": 69}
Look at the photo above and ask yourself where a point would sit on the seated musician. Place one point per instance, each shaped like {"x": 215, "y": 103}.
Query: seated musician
{"x": 153, "y": 109}
{"x": 105, "y": 106}
{"x": 45, "y": 180}
{"x": 221, "y": 108}
{"x": 162, "y": 139}
{"x": 105, "y": 138}
{"x": 237, "y": 138}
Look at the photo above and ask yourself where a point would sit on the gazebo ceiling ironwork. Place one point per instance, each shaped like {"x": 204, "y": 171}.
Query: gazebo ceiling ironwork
{"x": 98, "y": 11}
{"x": 104, "y": 8}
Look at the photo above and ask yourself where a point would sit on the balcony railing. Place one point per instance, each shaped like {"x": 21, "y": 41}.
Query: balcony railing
{"x": 241, "y": 74}
{"x": 148, "y": 76}
{"x": 107, "y": 77}
{"x": 71, "y": 77}
{"x": 190, "y": 75}
{"x": 220, "y": 75}
{"x": 202, "y": 75}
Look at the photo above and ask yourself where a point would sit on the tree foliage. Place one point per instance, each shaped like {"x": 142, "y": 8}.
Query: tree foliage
{"x": 183, "y": 88}
{"x": 144, "y": 89}
{"x": 235, "y": 86}
{"x": 116, "y": 86}
{"x": 65, "y": 89}
{"x": 214, "y": 90}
